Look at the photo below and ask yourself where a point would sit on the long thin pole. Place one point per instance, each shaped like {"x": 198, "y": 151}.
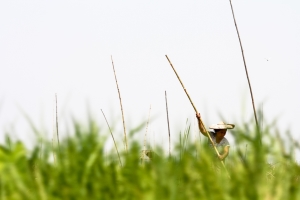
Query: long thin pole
{"x": 168, "y": 124}
{"x": 126, "y": 146}
{"x": 201, "y": 122}
{"x": 112, "y": 137}
{"x": 244, "y": 60}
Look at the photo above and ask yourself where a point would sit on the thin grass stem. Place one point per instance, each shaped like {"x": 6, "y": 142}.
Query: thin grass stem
{"x": 145, "y": 136}
{"x": 56, "y": 120}
{"x": 112, "y": 137}
{"x": 168, "y": 123}
{"x": 125, "y": 137}
{"x": 244, "y": 60}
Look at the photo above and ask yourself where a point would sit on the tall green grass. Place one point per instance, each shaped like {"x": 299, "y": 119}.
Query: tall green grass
{"x": 83, "y": 170}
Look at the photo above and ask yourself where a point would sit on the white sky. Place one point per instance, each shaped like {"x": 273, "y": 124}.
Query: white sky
{"x": 64, "y": 47}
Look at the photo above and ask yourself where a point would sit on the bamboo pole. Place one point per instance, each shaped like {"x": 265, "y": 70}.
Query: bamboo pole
{"x": 112, "y": 137}
{"x": 244, "y": 60}
{"x": 201, "y": 122}
{"x": 125, "y": 137}
{"x": 168, "y": 123}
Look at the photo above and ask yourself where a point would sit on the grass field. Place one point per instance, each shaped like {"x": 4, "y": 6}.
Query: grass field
{"x": 260, "y": 167}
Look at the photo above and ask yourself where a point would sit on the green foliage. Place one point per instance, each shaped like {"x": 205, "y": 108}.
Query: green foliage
{"x": 80, "y": 168}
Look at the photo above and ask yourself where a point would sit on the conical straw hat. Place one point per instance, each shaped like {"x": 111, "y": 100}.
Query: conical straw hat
{"x": 222, "y": 125}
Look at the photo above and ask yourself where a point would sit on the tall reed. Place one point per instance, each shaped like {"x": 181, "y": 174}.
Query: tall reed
{"x": 123, "y": 120}
{"x": 244, "y": 61}
{"x": 87, "y": 171}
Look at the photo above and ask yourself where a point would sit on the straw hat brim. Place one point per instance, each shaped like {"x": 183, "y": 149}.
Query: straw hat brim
{"x": 222, "y": 126}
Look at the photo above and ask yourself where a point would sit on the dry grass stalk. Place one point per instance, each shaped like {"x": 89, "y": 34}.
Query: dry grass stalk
{"x": 56, "y": 119}
{"x": 145, "y": 137}
{"x": 55, "y": 137}
{"x": 125, "y": 137}
{"x": 168, "y": 124}
{"x": 112, "y": 137}
{"x": 244, "y": 60}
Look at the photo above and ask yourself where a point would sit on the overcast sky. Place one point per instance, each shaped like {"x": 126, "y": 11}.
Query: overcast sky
{"x": 65, "y": 47}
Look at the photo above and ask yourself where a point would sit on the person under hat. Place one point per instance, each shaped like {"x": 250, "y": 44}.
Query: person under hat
{"x": 217, "y": 136}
